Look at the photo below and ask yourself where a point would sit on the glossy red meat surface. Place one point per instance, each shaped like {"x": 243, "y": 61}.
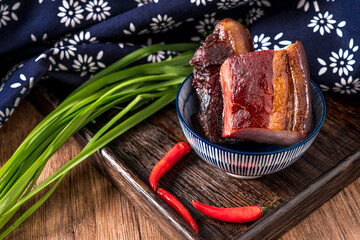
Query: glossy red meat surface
{"x": 248, "y": 93}
{"x": 229, "y": 38}
{"x": 266, "y": 96}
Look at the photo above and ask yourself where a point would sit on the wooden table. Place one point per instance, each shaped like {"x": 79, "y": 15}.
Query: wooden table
{"x": 87, "y": 206}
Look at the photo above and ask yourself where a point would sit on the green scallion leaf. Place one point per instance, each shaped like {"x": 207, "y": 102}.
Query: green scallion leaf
{"x": 137, "y": 92}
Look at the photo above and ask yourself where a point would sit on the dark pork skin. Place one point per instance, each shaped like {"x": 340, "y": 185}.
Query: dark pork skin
{"x": 267, "y": 96}
{"x": 229, "y": 38}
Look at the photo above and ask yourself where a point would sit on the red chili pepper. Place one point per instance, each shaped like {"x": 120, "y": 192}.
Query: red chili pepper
{"x": 175, "y": 204}
{"x": 234, "y": 215}
{"x": 167, "y": 162}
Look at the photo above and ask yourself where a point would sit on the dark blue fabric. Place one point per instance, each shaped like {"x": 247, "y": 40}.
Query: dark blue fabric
{"x": 70, "y": 40}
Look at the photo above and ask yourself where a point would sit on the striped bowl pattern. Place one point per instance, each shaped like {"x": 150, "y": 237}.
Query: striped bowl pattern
{"x": 265, "y": 159}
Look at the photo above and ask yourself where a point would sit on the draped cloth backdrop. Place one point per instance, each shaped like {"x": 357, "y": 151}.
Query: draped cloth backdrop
{"x": 67, "y": 41}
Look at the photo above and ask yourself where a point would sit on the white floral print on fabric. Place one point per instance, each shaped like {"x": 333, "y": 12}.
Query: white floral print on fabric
{"x": 353, "y": 47}
{"x": 56, "y": 66}
{"x": 338, "y": 30}
{"x": 259, "y": 3}
{"x": 261, "y": 42}
{"x": 229, "y": 4}
{"x": 171, "y": 53}
{"x": 324, "y": 88}
{"x": 41, "y": 56}
{"x": 196, "y": 39}
{"x": 349, "y": 87}
{"x": 98, "y": 10}
{"x": 163, "y": 23}
{"x": 322, "y": 69}
{"x": 279, "y": 42}
{"x": 341, "y": 62}
{"x": 306, "y": 5}
{"x": 63, "y": 51}
{"x": 35, "y": 39}
{"x": 144, "y": 31}
{"x": 7, "y": 13}
{"x": 17, "y": 102}
{"x": 4, "y": 116}
{"x": 198, "y": 2}
{"x": 122, "y": 45}
{"x": 66, "y": 47}
{"x": 206, "y": 25}
{"x": 70, "y": 13}
{"x": 23, "y": 78}
{"x": 325, "y": 23}
{"x": 142, "y": 2}
{"x": 155, "y": 57}
{"x": 131, "y": 30}
{"x": 81, "y": 38}
{"x": 253, "y": 15}
{"x": 11, "y": 71}
{"x": 87, "y": 64}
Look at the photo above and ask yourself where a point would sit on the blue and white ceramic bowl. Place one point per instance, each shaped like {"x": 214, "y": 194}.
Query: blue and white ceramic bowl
{"x": 245, "y": 160}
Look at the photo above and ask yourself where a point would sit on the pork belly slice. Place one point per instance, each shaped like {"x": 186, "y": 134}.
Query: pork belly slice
{"x": 266, "y": 96}
{"x": 229, "y": 38}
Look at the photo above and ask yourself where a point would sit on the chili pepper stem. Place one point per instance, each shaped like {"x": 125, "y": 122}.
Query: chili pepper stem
{"x": 268, "y": 207}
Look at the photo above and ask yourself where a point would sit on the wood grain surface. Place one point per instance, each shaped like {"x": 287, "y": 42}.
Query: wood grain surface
{"x": 87, "y": 206}
{"x": 329, "y": 165}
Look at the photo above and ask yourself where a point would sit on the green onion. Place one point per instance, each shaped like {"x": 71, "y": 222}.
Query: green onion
{"x": 137, "y": 92}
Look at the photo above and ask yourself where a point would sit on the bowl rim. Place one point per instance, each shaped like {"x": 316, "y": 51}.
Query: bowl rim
{"x": 311, "y": 136}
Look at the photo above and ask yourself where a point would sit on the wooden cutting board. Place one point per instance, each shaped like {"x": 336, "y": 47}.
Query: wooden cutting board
{"x": 331, "y": 163}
